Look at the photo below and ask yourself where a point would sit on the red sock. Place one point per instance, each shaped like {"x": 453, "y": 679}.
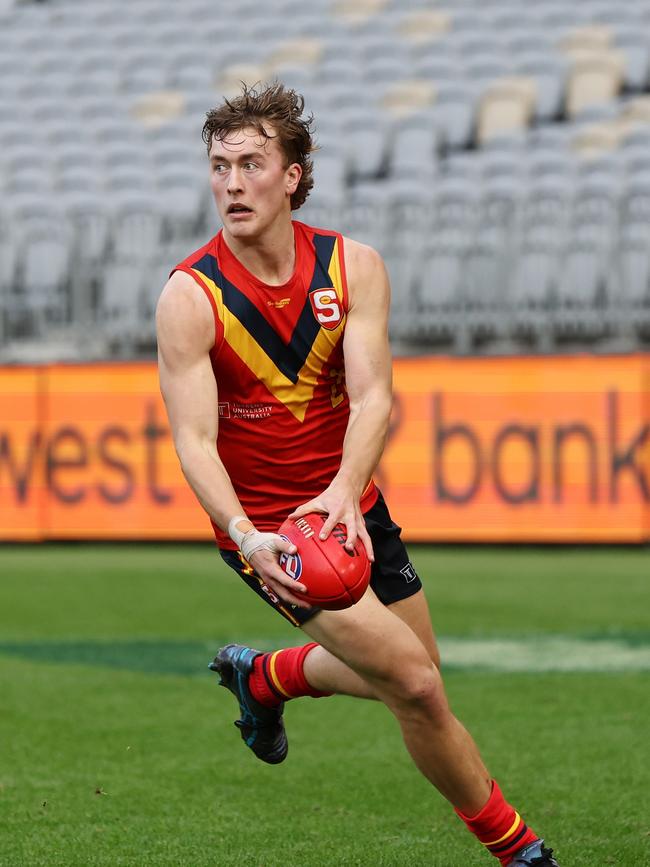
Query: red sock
{"x": 279, "y": 676}
{"x": 499, "y": 827}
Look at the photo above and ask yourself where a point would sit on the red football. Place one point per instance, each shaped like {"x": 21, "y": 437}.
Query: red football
{"x": 334, "y": 577}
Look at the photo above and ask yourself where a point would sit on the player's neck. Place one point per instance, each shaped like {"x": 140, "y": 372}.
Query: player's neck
{"x": 271, "y": 258}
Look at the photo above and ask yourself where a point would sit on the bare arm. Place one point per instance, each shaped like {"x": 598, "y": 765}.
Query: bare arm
{"x": 368, "y": 375}
{"x": 185, "y": 328}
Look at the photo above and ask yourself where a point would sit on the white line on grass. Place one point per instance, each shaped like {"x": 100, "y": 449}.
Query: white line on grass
{"x": 544, "y": 653}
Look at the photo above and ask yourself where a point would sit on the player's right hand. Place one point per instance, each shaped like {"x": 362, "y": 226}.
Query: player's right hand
{"x": 262, "y": 551}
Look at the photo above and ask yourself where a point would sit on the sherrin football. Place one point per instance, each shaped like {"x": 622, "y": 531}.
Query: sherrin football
{"x": 335, "y": 578}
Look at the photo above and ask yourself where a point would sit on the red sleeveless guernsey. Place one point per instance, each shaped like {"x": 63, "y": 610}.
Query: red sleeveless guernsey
{"x": 278, "y": 363}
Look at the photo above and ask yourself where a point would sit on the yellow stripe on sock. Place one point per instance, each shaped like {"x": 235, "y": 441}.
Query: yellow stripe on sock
{"x": 274, "y": 676}
{"x": 508, "y": 833}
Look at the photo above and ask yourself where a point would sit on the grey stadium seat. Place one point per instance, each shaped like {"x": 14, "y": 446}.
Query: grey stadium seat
{"x": 90, "y": 223}
{"x": 545, "y": 162}
{"x": 136, "y": 224}
{"x": 367, "y": 214}
{"x": 581, "y": 301}
{"x": 411, "y": 209}
{"x": 128, "y": 177}
{"x": 632, "y": 41}
{"x": 595, "y": 207}
{"x": 548, "y": 206}
{"x": 28, "y": 178}
{"x": 454, "y": 110}
{"x": 549, "y": 72}
{"x": 45, "y": 267}
{"x": 440, "y": 291}
{"x": 635, "y": 201}
{"x": 32, "y": 211}
{"x": 401, "y": 271}
{"x": 182, "y": 199}
{"x": 503, "y": 164}
{"x": 463, "y": 165}
{"x": 440, "y": 68}
{"x": 636, "y": 160}
{"x": 414, "y": 150}
{"x": 501, "y": 197}
{"x": 455, "y": 205}
{"x": 485, "y": 68}
{"x": 530, "y": 290}
{"x": 367, "y": 147}
{"x": 634, "y": 261}
{"x": 8, "y": 254}
{"x": 121, "y": 302}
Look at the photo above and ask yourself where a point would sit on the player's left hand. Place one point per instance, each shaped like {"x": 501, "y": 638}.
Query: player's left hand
{"x": 341, "y": 505}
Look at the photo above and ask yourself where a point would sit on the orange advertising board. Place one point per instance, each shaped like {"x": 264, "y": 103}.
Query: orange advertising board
{"x": 553, "y": 449}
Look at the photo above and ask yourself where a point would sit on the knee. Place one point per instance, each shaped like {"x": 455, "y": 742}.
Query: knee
{"x": 419, "y": 692}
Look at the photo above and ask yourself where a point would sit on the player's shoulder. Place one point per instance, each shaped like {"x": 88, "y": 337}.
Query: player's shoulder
{"x": 180, "y": 291}
{"x": 361, "y": 256}
{"x": 366, "y": 273}
{"x": 183, "y": 312}
{"x": 183, "y": 290}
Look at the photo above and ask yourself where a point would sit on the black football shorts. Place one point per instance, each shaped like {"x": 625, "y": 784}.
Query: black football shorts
{"x": 392, "y": 578}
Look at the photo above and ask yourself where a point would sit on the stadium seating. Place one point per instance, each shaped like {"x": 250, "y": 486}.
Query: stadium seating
{"x": 496, "y": 154}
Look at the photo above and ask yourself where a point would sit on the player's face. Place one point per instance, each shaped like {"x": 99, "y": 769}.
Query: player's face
{"x": 251, "y": 182}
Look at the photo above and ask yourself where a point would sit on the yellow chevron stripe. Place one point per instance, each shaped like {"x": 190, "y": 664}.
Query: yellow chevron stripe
{"x": 506, "y": 835}
{"x": 246, "y": 566}
{"x": 274, "y": 676}
{"x": 334, "y": 271}
{"x": 296, "y": 397}
{"x": 294, "y": 621}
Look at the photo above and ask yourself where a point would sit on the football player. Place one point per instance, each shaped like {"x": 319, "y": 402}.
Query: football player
{"x": 275, "y": 368}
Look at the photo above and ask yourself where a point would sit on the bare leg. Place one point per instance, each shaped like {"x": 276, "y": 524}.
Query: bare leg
{"x": 387, "y": 655}
{"x": 326, "y": 673}
{"x": 414, "y": 611}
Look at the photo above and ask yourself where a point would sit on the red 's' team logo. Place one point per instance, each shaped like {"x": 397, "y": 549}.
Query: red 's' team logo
{"x": 327, "y": 307}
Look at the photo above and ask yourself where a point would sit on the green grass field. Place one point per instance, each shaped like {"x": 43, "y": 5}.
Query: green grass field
{"x": 117, "y": 748}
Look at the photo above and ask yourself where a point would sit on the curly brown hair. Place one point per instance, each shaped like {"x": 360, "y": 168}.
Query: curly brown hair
{"x": 275, "y": 105}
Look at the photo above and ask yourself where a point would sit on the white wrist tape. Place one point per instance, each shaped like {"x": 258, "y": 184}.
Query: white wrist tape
{"x": 251, "y": 541}
{"x": 235, "y": 534}
{"x": 254, "y": 541}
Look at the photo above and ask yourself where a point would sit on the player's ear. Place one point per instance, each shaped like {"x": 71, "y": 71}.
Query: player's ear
{"x": 294, "y": 173}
